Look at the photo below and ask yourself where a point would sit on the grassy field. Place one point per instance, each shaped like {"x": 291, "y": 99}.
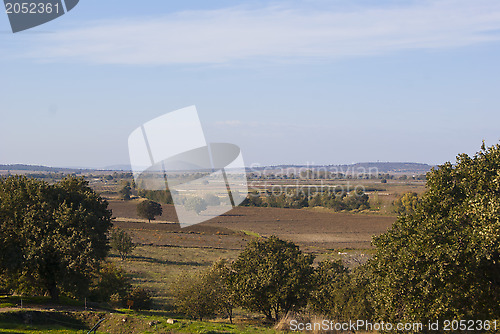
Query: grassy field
{"x": 38, "y": 322}
{"x": 157, "y": 268}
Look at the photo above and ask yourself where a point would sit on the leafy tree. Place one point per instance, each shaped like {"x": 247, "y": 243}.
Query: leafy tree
{"x": 328, "y": 279}
{"x": 315, "y": 200}
{"x": 441, "y": 261}
{"x": 122, "y": 242}
{"x": 253, "y": 199}
{"x": 53, "y": 236}
{"x": 149, "y": 210}
{"x": 273, "y": 277}
{"x": 195, "y": 204}
{"x": 357, "y": 200}
{"x": 341, "y": 294}
{"x": 126, "y": 191}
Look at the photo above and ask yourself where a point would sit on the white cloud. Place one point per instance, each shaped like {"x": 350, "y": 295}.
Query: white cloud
{"x": 275, "y": 33}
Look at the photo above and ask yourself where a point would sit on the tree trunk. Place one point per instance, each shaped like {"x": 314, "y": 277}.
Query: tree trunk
{"x": 53, "y": 292}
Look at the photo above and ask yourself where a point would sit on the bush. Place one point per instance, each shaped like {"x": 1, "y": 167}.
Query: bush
{"x": 139, "y": 299}
{"x": 109, "y": 281}
{"x": 196, "y": 296}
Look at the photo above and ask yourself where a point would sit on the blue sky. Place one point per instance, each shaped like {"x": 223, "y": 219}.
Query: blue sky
{"x": 315, "y": 81}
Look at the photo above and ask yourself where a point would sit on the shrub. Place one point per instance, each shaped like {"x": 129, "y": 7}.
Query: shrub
{"x": 196, "y": 296}
{"x": 109, "y": 281}
{"x": 139, "y": 299}
{"x": 121, "y": 241}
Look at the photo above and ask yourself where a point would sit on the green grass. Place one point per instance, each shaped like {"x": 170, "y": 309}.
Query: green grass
{"x": 186, "y": 326}
{"x": 252, "y": 234}
{"x": 156, "y": 268}
{"x": 136, "y": 322}
{"x": 13, "y": 301}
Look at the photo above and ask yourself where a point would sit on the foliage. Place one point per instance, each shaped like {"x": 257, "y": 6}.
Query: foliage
{"x": 139, "y": 299}
{"x": 53, "y": 236}
{"x": 122, "y": 242}
{"x": 441, "y": 261}
{"x": 195, "y": 204}
{"x": 296, "y": 199}
{"x": 328, "y": 279}
{"x": 108, "y": 281}
{"x": 273, "y": 277}
{"x": 407, "y": 204}
{"x": 160, "y": 196}
{"x": 196, "y": 296}
{"x": 125, "y": 191}
{"x": 149, "y": 210}
{"x": 221, "y": 277}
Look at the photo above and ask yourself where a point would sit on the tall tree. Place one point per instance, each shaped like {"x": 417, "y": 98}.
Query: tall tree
{"x": 441, "y": 260}
{"x": 53, "y": 236}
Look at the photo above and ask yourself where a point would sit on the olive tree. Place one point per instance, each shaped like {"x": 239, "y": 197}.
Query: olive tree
{"x": 441, "y": 259}
{"x": 149, "y": 210}
{"x": 273, "y": 277}
{"x": 53, "y": 236}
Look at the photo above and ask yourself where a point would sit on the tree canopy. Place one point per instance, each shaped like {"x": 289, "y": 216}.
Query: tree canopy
{"x": 441, "y": 259}
{"x": 272, "y": 276}
{"x": 149, "y": 210}
{"x": 53, "y": 236}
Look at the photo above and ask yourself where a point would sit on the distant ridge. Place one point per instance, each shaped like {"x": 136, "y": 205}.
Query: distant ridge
{"x": 39, "y": 168}
{"x": 381, "y": 167}
{"x": 393, "y": 167}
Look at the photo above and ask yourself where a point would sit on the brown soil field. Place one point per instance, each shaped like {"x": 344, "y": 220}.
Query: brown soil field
{"x": 311, "y": 229}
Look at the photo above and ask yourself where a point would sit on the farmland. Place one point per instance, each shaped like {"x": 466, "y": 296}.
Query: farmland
{"x": 164, "y": 251}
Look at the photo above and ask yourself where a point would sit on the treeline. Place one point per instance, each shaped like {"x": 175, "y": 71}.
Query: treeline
{"x": 297, "y": 199}
{"x": 160, "y": 196}
{"x": 326, "y": 175}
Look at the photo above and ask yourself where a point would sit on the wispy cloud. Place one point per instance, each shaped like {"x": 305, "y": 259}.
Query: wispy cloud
{"x": 231, "y": 123}
{"x": 275, "y": 33}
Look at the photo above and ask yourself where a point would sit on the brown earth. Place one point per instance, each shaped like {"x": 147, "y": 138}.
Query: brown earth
{"x": 307, "y": 227}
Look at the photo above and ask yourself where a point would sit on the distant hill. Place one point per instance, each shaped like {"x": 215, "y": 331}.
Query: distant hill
{"x": 392, "y": 167}
{"x": 361, "y": 167}
{"x": 124, "y": 168}
{"x": 38, "y": 168}
{"x": 366, "y": 167}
